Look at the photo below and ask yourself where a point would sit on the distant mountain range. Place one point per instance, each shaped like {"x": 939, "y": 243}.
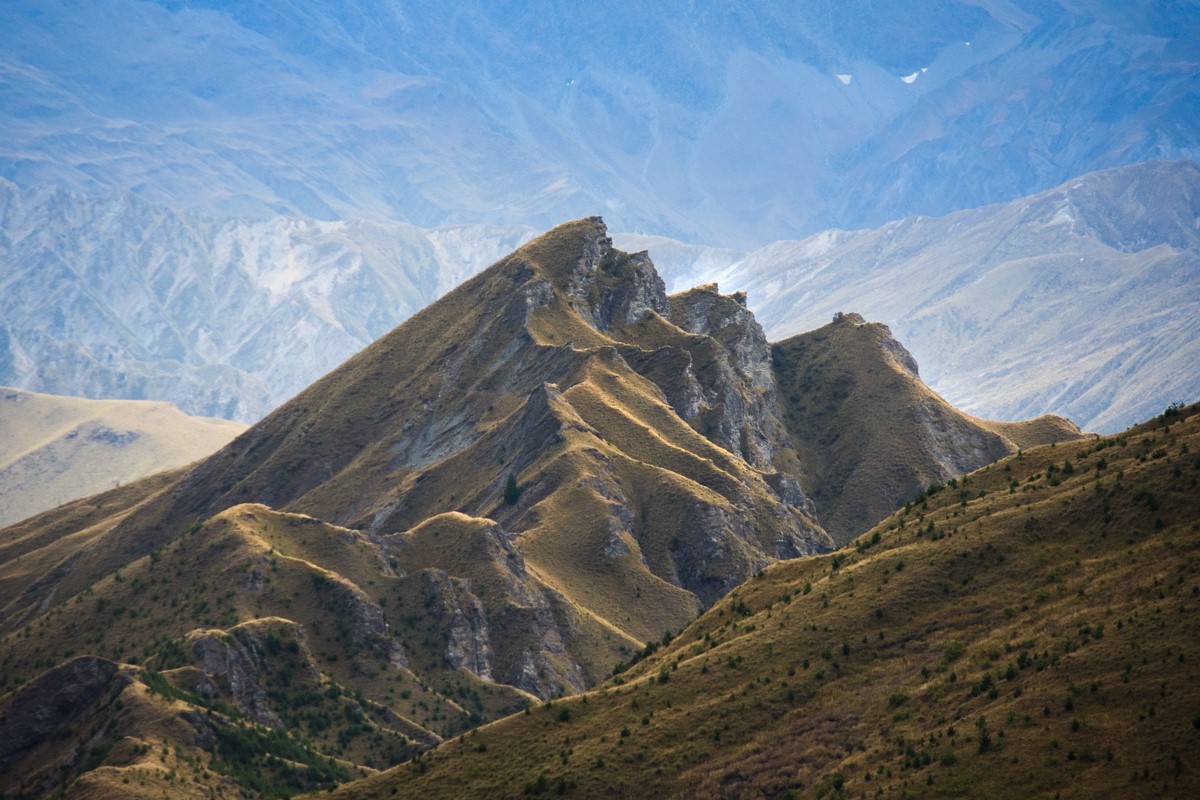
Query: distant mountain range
{"x": 119, "y": 298}
{"x": 55, "y": 449}
{"x": 1083, "y": 300}
{"x": 727, "y": 124}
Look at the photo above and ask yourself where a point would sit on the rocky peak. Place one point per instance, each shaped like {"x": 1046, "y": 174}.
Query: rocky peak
{"x": 608, "y": 288}
{"x": 727, "y": 390}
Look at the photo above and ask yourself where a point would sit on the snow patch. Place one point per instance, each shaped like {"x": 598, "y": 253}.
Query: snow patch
{"x": 1064, "y": 216}
{"x": 844, "y": 77}
{"x": 910, "y": 78}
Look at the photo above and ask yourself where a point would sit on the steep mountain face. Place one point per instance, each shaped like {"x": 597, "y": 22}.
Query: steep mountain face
{"x": 871, "y": 435}
{"x": 1081, "y": 300}
{"x": 733, "y": 125}
{"x": 1029, "y": 631}
{"x": 120, "y": 298}
{"x": 54, "y": 449}
{"x": 499, "y": 501}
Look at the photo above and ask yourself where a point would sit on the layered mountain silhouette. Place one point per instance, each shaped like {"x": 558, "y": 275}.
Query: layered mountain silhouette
{"x": 526, "y": 485}
{"x": 1078, "y": 301}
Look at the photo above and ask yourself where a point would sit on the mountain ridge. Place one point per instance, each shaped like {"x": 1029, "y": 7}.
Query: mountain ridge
{"x": 1010, "y": 307}
{"x": 518, "y": 490}
{"x": 1007, "y": 634}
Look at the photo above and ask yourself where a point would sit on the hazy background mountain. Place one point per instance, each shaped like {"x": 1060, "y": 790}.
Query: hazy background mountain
{"x": 54, "y": 449}
{"x": 722, "y": 124}
{"x": 1083, "y": 300}
{"x": 117, "y": 297}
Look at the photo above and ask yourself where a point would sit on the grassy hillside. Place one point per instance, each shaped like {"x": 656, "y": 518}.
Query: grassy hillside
{"x": 1028, "y": 630}
{"x": 55, "y": 449}
{"x": 871, "y": 434}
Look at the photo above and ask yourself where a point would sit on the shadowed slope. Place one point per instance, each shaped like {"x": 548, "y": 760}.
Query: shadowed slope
{"x": 871, "y": 435}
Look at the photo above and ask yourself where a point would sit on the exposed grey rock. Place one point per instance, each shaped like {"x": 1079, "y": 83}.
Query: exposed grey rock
{"x": 461, "y": 616}
{"x": 609, "y": 289}
{"x": 51, "y": 700}
{"x": 231, "y": 665}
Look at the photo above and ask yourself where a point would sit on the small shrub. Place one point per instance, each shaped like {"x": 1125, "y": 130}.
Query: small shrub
{"x": 512, "y": 489}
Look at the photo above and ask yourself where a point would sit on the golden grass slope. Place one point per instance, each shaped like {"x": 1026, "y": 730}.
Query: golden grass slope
{"x": 1027, "y": 631}
{"x": 238, "y": 618}
{"x": 54, "y": 449}
{"x": 871, "y": 434}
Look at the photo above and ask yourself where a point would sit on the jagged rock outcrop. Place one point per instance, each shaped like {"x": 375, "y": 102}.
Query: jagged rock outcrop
{"x": 497, "y": 620}
{"x": 740, "y": 400}
{"x": 236, "y": 664}
{"x": 453, "y": 607}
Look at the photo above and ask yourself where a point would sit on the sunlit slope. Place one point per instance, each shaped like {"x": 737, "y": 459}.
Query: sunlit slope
{"x": 498, "y": 503}
{"x": 54, "y": 449}
{"x": 1025, "y": 631}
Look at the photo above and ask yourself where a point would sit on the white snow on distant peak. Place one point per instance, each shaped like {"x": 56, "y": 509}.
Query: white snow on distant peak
{"x": 910, "y": 78}
{"x": 844, "y": 77}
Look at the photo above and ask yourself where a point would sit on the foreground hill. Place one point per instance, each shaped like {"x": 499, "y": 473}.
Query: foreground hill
{"x": 494, "y": 504}
{"x": 1027, "y": 630}
{"x": 54, "y": 449}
